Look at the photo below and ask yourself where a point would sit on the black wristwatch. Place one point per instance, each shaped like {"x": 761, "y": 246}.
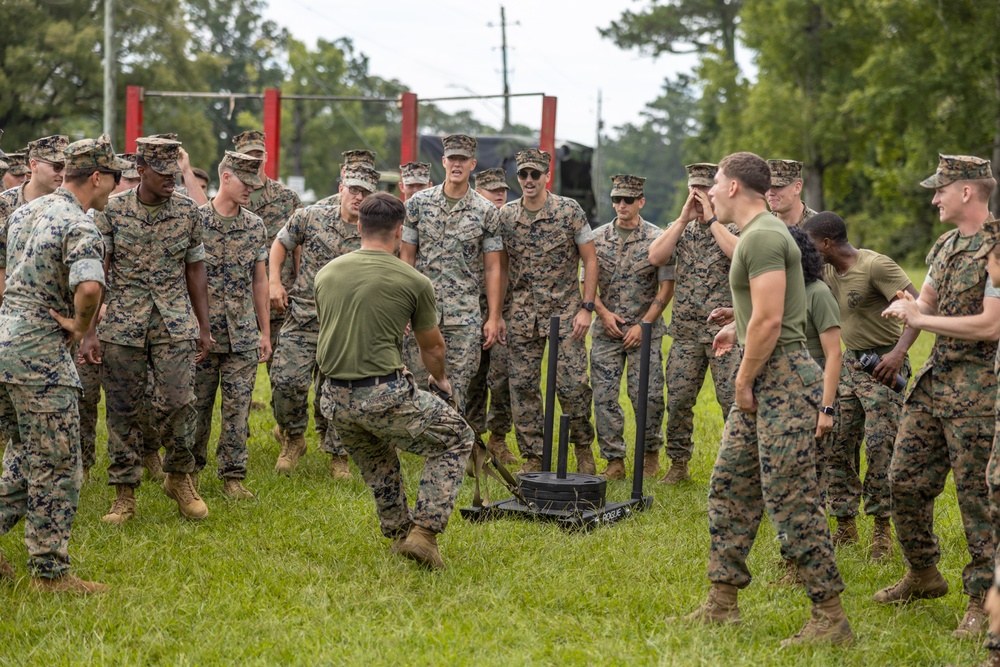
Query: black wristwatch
{"x": 827, "y": 410}
{"x": 714, "y": 218}
{"x": 589, "y": 306}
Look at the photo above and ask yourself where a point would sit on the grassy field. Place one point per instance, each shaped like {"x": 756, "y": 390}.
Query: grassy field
{"x": 301, "y": 575}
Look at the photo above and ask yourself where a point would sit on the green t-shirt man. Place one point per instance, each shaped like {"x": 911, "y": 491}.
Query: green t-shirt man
{"x": 765, "y": 246}
{"x": 822, "y": 313}
{"x": 863, "y": 292}
{"x": 364, "y": 300}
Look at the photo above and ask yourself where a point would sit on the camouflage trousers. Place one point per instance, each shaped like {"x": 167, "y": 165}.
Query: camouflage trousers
{"x": 171, "y": 414}
{"x": 607, "y": 363}
{"x": 90, "y": 378}
{"x": 868, "y": 410}
{"x": 42, "y": 471}
{"x": 572, "y": 388}
{"x": 768, "y": 460}
{"x": 992, "y": 641}
{"x": 374, "y": 421}
{"x": 235, "y": 372}
{"x": 463, "y": 347}
{"x": 687, "y": 363}
{"x": 926, "y": 448}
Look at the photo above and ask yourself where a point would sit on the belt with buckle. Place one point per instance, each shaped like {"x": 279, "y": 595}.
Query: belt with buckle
{"x": 373, "y": 381}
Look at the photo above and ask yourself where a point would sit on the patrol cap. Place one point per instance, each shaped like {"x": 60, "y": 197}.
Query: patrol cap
{"x": 355, "y": 157}
{"x": 93, "y": 154}
{"x": 244, "y": 166}
{"x": 492, "y": 179}
{"x": 459, "y": 144}
{"x": 532, "y": 157}
{"x": 361, "y": 176}
{"x": 991, "y": 237}
{"x": 626, "y": 185}
{"x": 251, "y": 140}
{"x": 784, "y": 172}
{"x": 953, "y": 168}
{"x": 702, "y": 173}
{"x": 415, "y": 172}
{"x": 49, "y": 149}
{"x": 160, "y": 154}
{"x": 130, "y": 171}
{"x": 172, "y": 136}
{"x": 17, "y": 163}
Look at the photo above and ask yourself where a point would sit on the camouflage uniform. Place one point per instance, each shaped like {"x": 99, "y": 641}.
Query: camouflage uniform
{"x": 627, "y": 284}
{"x": 150, "y": 319}
{"x": 351, "y": 158}
{"x": 700, "y": 271}
{"x": 53, "y": 247}
{"x": 544, "y": 281}
{"x": 786, "y": 172}
{"x": 948, "y": 422}
{"x": 449, "y": 250}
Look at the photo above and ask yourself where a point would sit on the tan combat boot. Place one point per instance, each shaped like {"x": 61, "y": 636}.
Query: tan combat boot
{"x": 421, "y": 545}
{"x": 123, "y": 508}
{"x": 974, "y": 622}
{"x": 6, "y": 569}
{"x": 651, "y": 464}
{"x": 531, "y": 464}
{"x": 847, "y": 531}
{"x": 881, "y": 539}
{"x": 279, "y": 435}
{"x": 585, "y": 460}
{"x": 827, "y": 623}
{"x": 234, "y": 489}
{"x": 615, "y": 469}
{"x": 678, "y": 473}
{"x": 923, "y": 584}
{"x": 497, "y": 446}
{"x": 720, "y": 606}
{"x": 178, "y": 486}
{"x": 339, "y": 467}
{"x": 67, "y": 583}
{"x": 293, "y": 447}
{"x": 153, "y": 463}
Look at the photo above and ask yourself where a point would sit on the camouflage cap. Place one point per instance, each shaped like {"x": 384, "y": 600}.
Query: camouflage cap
{"x": 784, "y": 172}
{"x": 492, "y": 179}
{"x": 532, "y": 157}
{"x": 130, "y": 171}
{"x": 251, "y": 140}
{"x": 953, "y": 168}
{"x": 701, "y": 173}
{"x": 160, "y": 154}
{"x": 17, "y": 163}
{"x": 361, "y": 176}
{"x": 93, "y": 154}
{"x": 49, "y": 149}
{"x": 991, "y": 237}
{"x": 459, "y": 144}
{"x": 172, "y": 136}
{"x": 415, "y": 172}
{"x": 626, "y": 185}
{"x": 355, "y": 157}
{"x": 244, "y": 166}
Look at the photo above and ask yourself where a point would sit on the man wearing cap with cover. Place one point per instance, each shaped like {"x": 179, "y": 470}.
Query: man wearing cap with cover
{"x": 236, "y": 264}
{"x": 45, "y": 158}
{"x": 630, "y": 291}
{"x": 784, "y": 198}
{"x": 452, "y": 236}
{"x": 351, "y": 158}
{"x": 697, "y": 257}
{"x": 17, "y": 170}
{"x": 948, "y": 420}
{"x": 53, "y": 292}
{"x": 547, "y": 236}
{"x": 323, "y": 233}
{"x": 156, "y": 322}
{"x": 414, "y": 177}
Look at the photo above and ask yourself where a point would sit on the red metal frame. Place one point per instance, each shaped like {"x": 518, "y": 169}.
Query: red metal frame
{"x": 133, "y": 117}
{"x": 272, "y": 131}
{"x": 547, "y": 139}
{"x": 410, "y": 149}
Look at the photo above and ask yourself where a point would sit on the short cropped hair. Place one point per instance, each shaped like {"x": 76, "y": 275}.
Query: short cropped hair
{"x": 812, "y": 262}
{"x": 984, "y": 187}
{"x": 77, "y": 176}
{"x": 827, "y": 225}
{"x": 749, "y": 169}
{"x": 380, "y": 214}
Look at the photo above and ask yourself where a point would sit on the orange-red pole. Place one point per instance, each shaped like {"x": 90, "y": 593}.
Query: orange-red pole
{"x": 133, "y": 116}
{"x": 547, "y": 141}
{"x": 408, "y": 145}
{"x": 272, "y": 131}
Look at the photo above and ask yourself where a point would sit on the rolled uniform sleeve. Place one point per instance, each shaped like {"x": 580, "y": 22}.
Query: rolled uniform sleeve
{"x": 196, "y": 246}
{"x": 492, "y": 238}
{"x": 664, "y": 273}
{"x": 411, "y": 234}
{"x": 292, "y": 234}
{"x": 83, "y": 253}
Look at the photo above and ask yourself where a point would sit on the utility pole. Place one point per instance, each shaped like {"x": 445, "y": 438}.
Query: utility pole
{"x": 506, "y": 84}
{"x": 598, "y": 158}
{"x": 109, "y": 68}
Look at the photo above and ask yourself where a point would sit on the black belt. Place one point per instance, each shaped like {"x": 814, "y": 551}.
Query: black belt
{"x": 884, "y": 349}
{"x": 366, "y": 382}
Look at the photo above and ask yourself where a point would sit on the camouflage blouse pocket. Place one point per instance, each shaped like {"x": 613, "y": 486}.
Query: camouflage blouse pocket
{"x": 177, "y": 249}
{"x": 128, "y": 242}
{"x": 470, "y": 239}
{"x": 557, "y": 248}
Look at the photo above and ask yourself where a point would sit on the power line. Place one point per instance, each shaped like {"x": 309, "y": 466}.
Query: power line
{"x": 503, "y": 48}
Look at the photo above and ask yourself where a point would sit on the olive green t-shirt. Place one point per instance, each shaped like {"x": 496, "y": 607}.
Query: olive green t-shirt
{"x": 623, "y": 232}
{"x": 863, "y": 292}
{"x": 765, "y": 246}
{"x": 364, "y": 300}
{"x": 452, "y": 201}
{"x": 151, "y": 209}
{"x": 822, "y": 313}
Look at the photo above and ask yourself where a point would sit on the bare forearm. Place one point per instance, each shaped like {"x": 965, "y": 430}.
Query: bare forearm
{"x": 663, "y": 246}
{"x": 494, "y": 287}
{"x": 590, "y": 269}
{"x": 261, "y": 300}
{"x": 276, "y": 259}
{"x": 965, "y": 327}
{"x": 659, "y": 301}
{"x": 86, "y": 303}
{"x": 197, "y": 284}
{"x": 762, "y": 336}
{"x": 725, "y": 238}
{"x": 433, "y": 358}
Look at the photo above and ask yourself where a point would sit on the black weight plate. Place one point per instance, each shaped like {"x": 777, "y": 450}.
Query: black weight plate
{"x": 548, "y": 481}
{"x": 567, "y": 505}
{"x": 562, "y": 495}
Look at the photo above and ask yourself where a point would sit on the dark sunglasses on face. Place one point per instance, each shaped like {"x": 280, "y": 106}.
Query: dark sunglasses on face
{"x": 114, "y": 172}
{"x": 56, "y": 166}
{"x": 627, "y": 200}
{"x": 532, "y": 174}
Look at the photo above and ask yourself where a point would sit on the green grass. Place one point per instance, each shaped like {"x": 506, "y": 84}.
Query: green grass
{"x": 302, "y": 576}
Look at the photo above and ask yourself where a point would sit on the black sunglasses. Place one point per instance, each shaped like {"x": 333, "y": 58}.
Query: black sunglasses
{"x": 533, "y": 174}
{"x": 56, "y": 166}
{"x": 114, "y": 172}
{"x": 627, "y": 200}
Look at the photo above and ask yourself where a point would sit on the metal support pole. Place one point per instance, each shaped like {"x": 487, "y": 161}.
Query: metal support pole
{"x": 563, "y": 459}
{"x": 133, "y": 116}
{"x": 272, "y": 131}
{"x": 109, "y": 68}
{"x": 547, "y": 140}
{"x": 550, "y": 394}
{"x": 640, "y": 410}
{"x": 409, "y": 149}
